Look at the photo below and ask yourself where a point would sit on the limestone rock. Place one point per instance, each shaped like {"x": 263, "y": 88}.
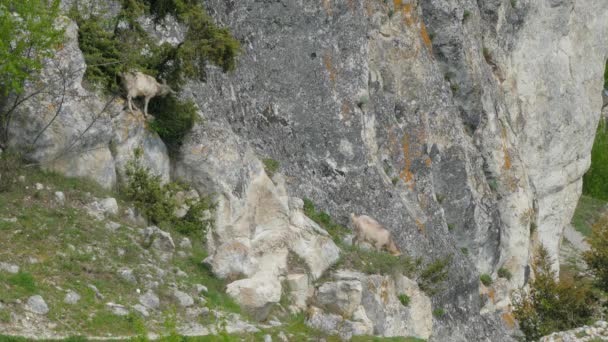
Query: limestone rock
{"x": 257, "y": 295}
{"x": 337, "y": 325}
{"x": 150, "y": 300}
{"x": 117, "y": 309}
{"x": 60, "y": 197}
{"x": 141, "y": 310}
{"x": 159, "y": 241}
{"x": 299, "y": 291}
{"x": 71, "y": 298}
{"x": 10, "y": 268}
{"x": 183, "y": 299}
{"x": 340, "y": 297}
{"x": 37, "y": 305}
{"x": 127, "y": 275}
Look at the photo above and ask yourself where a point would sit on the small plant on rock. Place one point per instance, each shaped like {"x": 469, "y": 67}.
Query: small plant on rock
{"x": 404, "y": 299}
{"x": 486, "y": 279}
{"x": 504, "y": 273}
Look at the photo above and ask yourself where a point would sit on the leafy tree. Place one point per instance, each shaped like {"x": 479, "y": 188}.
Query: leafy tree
{"x": 27, "y": 35}
{"x": 597, "y": 256}
{"x": 595, "y": 181}
{"x": 551, "y": 305}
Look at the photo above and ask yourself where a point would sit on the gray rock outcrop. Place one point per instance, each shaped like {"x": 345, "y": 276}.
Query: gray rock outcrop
{"x": 454, "y": 131}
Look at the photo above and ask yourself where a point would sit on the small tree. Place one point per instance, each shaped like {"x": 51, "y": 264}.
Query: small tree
{"x": 27, "y": 36}
{"x": 597, "y": 257}
{"x": 550, "y": 305}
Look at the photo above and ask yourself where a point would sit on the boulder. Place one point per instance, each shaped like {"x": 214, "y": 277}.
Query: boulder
{"x": 298, "y": 290}
{"x": 334, "y": 324}
{"x": 159, "y": 241}
{"x": 183, "y": 299}
{"x": 150, "y": 300}
{"x": 340, "y": 297}
{"x": 37, "y": 305}
{"x": 71, "y": 297}
{"x": 257, "y": 295}
{"x": 10, "y": 268}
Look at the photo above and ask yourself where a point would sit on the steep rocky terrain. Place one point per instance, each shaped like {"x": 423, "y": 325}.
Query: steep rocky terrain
{"x": 462, "y": 126}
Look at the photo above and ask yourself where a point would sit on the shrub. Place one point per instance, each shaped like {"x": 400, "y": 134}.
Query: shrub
{"x": 549, "y": 305}
{"x": 28, "y": 36}
{"x": 158, "y": 202}
{"x": 271, "y": 166}
{"x": 504, "y": 273}
{"x": 485, "y": 279}
{"x": 404, "y": 299}
{"x": 173, "y": 119}
{"x": 466, "y": 14}
{"x": 336, "y": 231}
{"x": 433, "y": 274}
{"x": 439, "y": 312}
{"x": 10, "y": 163}
{"x": 464, "y": 250}
{"x": 597, "y": 257}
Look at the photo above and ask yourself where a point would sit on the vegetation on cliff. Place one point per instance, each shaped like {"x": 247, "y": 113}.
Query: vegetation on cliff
{"x": 120, "y": 43}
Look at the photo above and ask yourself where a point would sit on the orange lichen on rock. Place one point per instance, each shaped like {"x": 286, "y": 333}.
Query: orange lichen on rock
{"x": 428, "y": 161}
{"x": 327, "y": 6}
{"x": 420, "y": 226}
{"x": 425, "y": 37}
{"x": 507, "y": 163}
{"x": 406, "y": 175}
{"x": 492, "y": 296}
{"x": 408, "y": 10}
{"x": 327, "y": 60}
{"x": 384, "y": 291}
{"x": 345, "y": 111}
{"x": 508, "y": 318}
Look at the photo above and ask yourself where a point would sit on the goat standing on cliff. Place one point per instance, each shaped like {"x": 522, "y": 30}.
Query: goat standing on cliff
{"x": 369, "y": 230}
{"x": 140, "y": 84}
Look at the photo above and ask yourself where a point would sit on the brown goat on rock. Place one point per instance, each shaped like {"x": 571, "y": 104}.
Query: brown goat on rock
{"x": 369, "y": 230}
{"x": 140, "y": 84}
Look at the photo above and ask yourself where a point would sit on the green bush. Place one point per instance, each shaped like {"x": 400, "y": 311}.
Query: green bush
{"x": 504, "y": 273}
{"x": 158, "y": 201}
{"x": 439, "y": 312}
{"x": 595, "y": 181}
{"x": 10, "y": 163}
{"x": 173, "y": 119}
{"x": 404, "y": 299}
{"x": 271, "y": 166}
{"x": 486, "y": 279}
{"x": 597, "y": 257}
{"x": 550, "y": 305}
{"x": 336, "y": 231}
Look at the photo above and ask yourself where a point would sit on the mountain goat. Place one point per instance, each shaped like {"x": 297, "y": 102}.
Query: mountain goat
{"x": 369, "y": 230}
{"x": 140, "y": 84}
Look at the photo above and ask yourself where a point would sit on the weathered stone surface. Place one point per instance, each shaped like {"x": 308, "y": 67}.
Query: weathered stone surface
{"x": 71, "y": 297}
{"x": 340, "y": 297}
{"x": 150, "y": 300}
{"x": 183, "y": 299}
{"x": 337, "y": 325}
{"x": 596, "y": 332}
{"x": 37, "y": 305}
{"x": 257, "y": 295}
{"x": 117, "y": 309}
{"x": 10, "y": 268}
{"x": 159, "y": 241}
{"x": 299, "y": 290}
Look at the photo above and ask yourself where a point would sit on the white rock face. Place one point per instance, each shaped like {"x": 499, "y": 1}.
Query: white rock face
{"x": 256, "y": 294}
{"x": 554, "y": 86}
{"x": 150, "y": 300}
{"x": 298, "y": 290}
{"x": 340, "y": 297}
{"x": 92, "y": 136}
{"x": 10, "y": 268}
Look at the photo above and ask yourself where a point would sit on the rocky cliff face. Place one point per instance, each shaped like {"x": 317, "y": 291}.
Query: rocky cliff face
{"x": 459, "y": 125}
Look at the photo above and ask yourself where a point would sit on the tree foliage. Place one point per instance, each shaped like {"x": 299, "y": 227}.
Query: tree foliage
{"x": 27, "y": 36}
{"x": 551, "y": 305}
{"x": 595, "y": 181}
